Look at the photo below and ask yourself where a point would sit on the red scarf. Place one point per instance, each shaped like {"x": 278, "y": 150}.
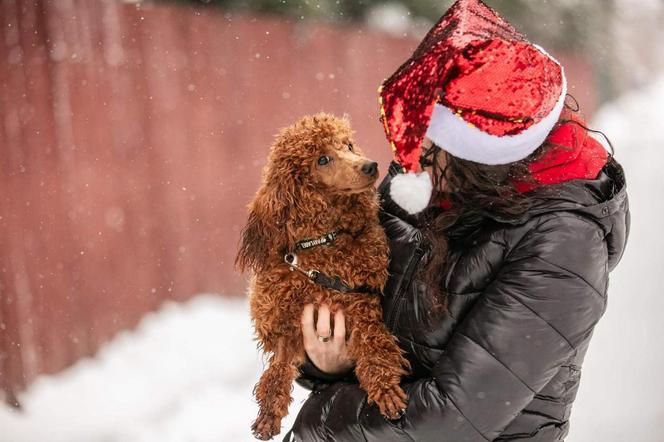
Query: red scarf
{"x": 574, "y": 155}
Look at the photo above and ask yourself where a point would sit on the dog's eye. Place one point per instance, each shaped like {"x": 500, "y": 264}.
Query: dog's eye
{"x": 350, "y": 146}
{"x": 323, "y": 160}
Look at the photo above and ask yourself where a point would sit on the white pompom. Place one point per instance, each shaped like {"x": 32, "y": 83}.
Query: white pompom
{"x": 411, "y": 191}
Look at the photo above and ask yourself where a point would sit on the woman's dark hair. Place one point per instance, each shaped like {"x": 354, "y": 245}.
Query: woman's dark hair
{"x": 473, "y": 190}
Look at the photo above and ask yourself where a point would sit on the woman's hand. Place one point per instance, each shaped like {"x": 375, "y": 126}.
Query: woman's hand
{"x": 332, "y": 356}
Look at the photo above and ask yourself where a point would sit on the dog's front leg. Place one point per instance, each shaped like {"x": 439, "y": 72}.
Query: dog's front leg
{"x": 273, "y": 390}
{"x": 379, "y": 367}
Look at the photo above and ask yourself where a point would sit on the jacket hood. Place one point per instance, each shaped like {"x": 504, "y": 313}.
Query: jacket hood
{"x": 603, "y": 200}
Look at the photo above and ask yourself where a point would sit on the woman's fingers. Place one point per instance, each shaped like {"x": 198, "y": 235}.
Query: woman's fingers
{"x": 330, "y": 357}
{"x": 308, "y": 329}
{"x": 339, "y": 328}
{"x": 323, "y": 325}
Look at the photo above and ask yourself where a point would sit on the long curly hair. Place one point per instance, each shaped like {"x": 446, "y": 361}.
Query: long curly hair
{"x": 474, "y": 191}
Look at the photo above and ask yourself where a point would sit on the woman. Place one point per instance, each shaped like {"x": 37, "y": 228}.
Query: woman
{"x": 497, "y": 284}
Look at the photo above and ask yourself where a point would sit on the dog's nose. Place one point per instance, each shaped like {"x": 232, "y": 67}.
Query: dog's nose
{"x": 370, "y": 168}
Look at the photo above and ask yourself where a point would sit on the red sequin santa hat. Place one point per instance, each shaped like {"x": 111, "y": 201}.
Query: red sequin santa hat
{"x": 477, "y": 88}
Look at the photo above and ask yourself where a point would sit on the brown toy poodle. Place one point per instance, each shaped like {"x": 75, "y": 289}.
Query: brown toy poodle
{"x": 313, "y": 236}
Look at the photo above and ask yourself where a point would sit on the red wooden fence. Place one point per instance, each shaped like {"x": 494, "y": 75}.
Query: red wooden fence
{"x": 132, "y": 137}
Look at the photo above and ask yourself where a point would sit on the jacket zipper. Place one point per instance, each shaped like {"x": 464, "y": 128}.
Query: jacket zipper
{"x": 398, "y": 303}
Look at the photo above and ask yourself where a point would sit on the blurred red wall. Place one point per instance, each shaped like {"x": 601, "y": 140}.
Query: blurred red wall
{"x": 132, "y": 138}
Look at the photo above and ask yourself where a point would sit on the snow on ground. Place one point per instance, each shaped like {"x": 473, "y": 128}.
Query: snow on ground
{"x": 186, "y": 373}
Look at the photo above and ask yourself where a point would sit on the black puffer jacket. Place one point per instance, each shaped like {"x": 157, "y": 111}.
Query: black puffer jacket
{"x": 504, "y": 363}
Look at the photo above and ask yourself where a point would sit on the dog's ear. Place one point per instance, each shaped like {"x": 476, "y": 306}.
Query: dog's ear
{"x": 266, "y": 231}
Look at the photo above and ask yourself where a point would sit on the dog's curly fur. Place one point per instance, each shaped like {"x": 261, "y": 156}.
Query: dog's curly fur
{"x": 302, "y": 199}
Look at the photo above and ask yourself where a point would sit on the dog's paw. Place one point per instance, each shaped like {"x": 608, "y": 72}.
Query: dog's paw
{"x": 266, "y": 426}
{"x": 391, "y": 402}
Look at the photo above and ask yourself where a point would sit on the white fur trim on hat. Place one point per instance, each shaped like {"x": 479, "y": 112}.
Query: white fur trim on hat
{"x": 463, "y": 140}
{"x": 411, "y": 191}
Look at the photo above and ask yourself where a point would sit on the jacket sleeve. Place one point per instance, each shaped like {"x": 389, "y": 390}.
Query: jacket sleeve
{"x": 545, "y": 299}
{"x": 312, "y": 378}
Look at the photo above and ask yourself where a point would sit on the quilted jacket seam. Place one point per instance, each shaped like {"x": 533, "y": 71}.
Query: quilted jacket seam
{"x": 499, "y": 361}
{"x": 546, "y": 217}
{"x": 573, "y": 274}
{"x": 527, "y": 235}
{"x": 464, "y": 416}
{"x": 545, "y": 321}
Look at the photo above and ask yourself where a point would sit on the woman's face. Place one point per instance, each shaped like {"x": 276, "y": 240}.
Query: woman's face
{"x": 427, "y": 158}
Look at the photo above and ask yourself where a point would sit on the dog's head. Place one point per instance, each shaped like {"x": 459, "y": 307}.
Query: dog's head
{"x": 319, "y": 152}
{"x": 311, "y": 164}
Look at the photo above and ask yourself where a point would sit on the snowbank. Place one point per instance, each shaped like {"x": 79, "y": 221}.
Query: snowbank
{"x": 185, "y": 374}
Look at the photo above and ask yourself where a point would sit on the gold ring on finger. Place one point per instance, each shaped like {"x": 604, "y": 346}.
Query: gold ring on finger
{"x": 323, "y": 338}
